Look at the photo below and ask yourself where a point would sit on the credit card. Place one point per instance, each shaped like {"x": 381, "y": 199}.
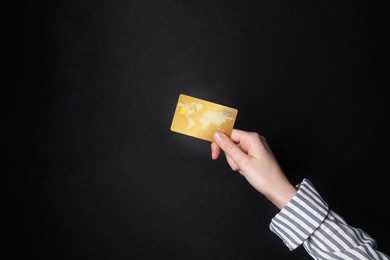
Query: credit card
{"x": 201, "y": 119}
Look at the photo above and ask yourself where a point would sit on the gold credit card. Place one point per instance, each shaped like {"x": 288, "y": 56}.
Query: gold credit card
{"x": 201, "y": 119}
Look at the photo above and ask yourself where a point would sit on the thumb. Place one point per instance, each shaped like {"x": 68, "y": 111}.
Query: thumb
{"x": 231, "y": 149}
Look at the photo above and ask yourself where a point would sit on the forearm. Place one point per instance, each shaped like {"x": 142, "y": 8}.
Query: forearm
{"x": 307, "y": 220}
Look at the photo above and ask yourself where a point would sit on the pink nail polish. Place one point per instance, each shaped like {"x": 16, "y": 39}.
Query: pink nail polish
{"x": 218, "y": 136}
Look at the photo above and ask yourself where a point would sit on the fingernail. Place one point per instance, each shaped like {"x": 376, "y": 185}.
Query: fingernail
{"x": 218, "y": 136}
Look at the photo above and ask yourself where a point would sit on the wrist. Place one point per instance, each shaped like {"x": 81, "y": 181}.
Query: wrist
{"x": 281, "y": 194}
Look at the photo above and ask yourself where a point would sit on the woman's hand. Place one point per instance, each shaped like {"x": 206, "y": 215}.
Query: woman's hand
{"x": 249, "y": 154}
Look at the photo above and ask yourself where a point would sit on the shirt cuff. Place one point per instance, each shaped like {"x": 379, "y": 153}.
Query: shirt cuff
{"x": 302, "y": 215}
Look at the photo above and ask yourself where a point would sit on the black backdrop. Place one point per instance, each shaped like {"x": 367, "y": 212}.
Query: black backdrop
{"x": 98, "y": 173}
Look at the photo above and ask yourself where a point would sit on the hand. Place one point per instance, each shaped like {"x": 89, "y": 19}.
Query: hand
{"x": 249, "y": 154}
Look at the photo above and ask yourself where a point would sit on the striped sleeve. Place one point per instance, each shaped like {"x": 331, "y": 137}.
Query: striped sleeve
{"x": 307, "y": 220}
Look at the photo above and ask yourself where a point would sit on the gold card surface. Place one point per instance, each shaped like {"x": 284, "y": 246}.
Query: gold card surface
{"x": 201, "y": 119}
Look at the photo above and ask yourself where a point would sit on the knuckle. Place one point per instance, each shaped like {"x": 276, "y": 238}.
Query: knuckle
{"x": 235, "y": 168}
{"x": 258, "y": 136}
{"x": 255, "y": 135}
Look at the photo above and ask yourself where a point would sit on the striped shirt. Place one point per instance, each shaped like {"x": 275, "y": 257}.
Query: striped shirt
{"x": 307, "y": 220}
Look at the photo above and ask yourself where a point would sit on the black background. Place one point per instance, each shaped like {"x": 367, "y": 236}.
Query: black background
{"x": 98, "y": 173}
